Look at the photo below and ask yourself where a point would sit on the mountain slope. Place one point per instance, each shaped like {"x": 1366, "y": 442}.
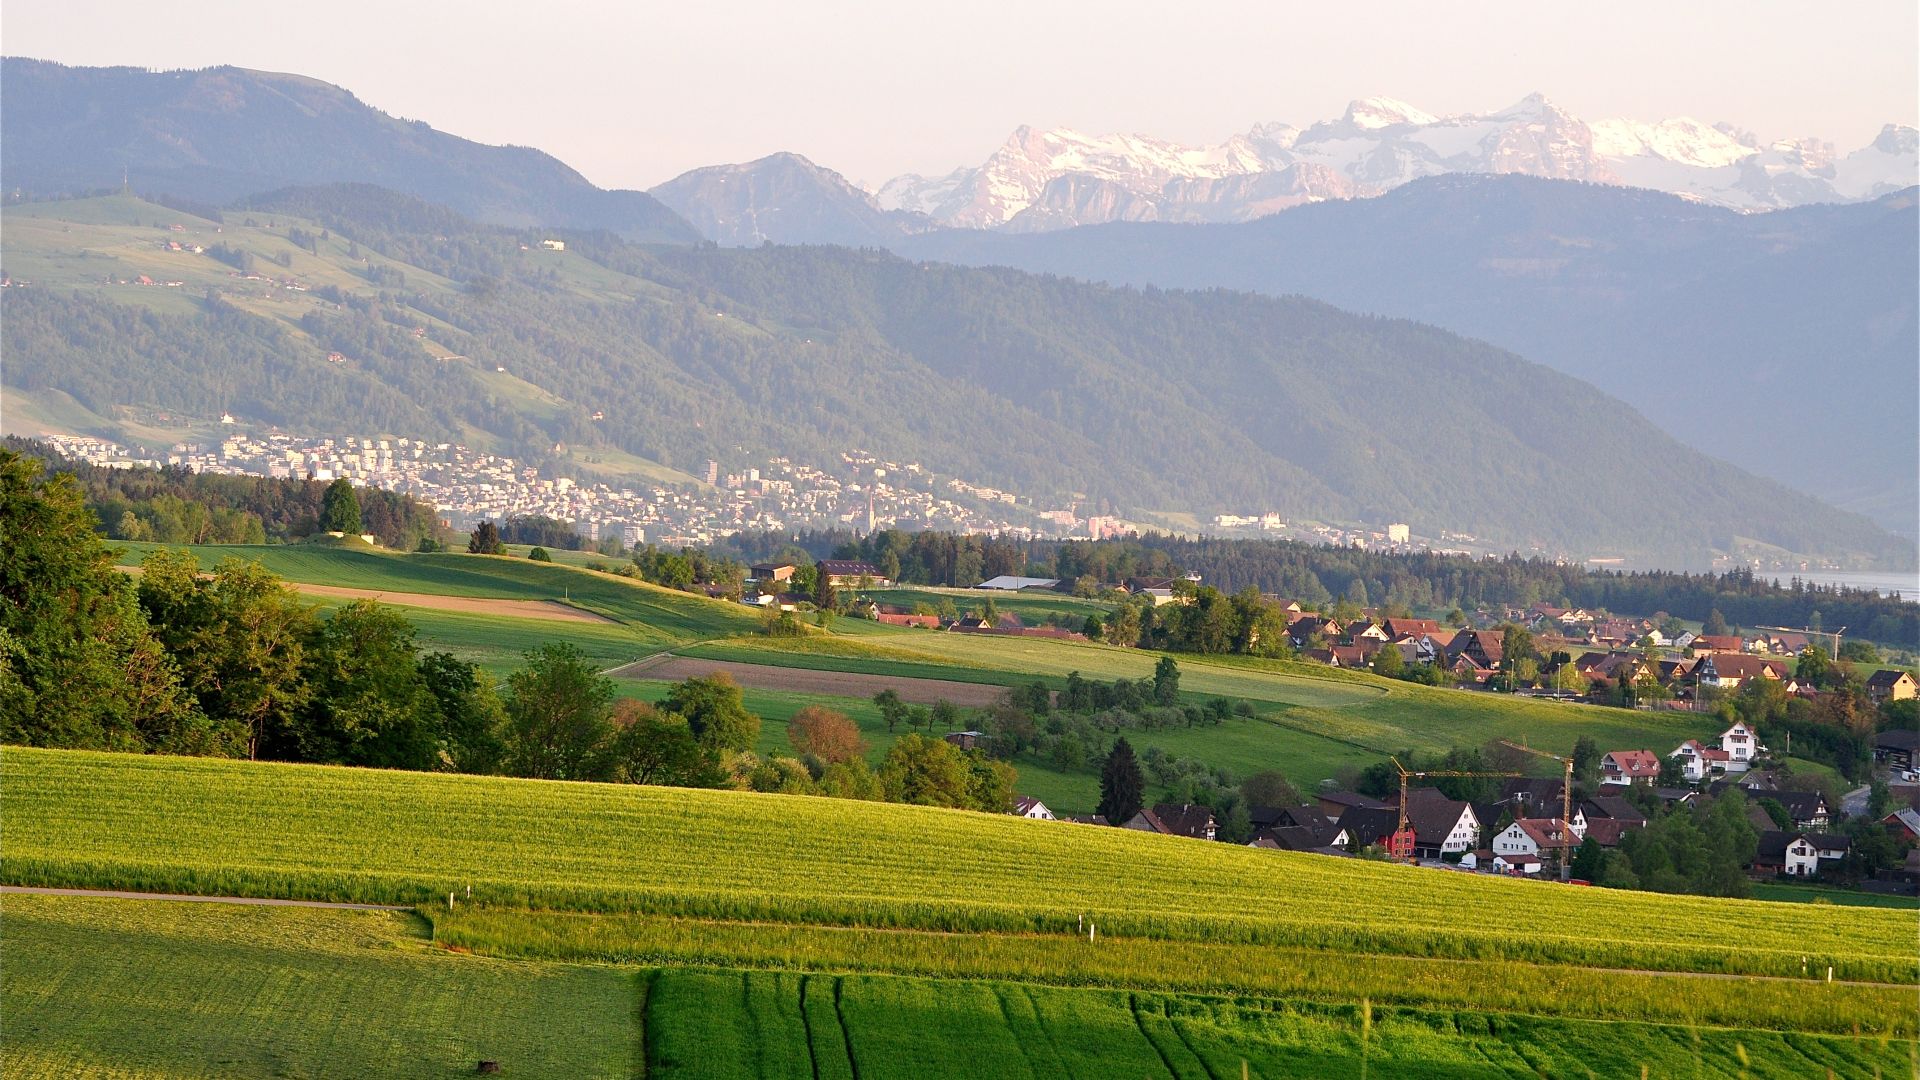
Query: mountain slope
{"x": 1124, "y": 400}
{"x": 220, "y": 133}
{"x": 1783, "y": 341}
{"x": 786, "y": 199}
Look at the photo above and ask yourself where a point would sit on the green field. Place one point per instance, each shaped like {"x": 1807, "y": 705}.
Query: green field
{"x": 1309, "y": 720}
{"x": 727, "y": 934}
{"x": 222, "y": 827}
{"x": 190, "y": 990}
{"x": 120, "y": 988}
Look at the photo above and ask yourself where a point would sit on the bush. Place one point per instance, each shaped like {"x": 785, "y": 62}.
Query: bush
{"x": 539, "y": 554}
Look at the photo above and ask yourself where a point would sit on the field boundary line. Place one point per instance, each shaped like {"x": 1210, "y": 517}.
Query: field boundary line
{"x": 255, "y": 901}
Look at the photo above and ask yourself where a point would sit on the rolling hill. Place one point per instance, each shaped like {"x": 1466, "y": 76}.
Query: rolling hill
{"x": 218, "y": 134}
{"x": 1137, "y": 400}
{"x": 1784, "y": 341}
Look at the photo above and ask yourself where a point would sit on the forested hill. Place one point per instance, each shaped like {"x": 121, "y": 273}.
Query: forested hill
{"x": 1784, "y": 341}
{"x": 220, "y": 133}
{"x": 1135, "y": 401}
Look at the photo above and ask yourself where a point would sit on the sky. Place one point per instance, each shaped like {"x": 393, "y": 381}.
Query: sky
{"x": 634, "y": 93}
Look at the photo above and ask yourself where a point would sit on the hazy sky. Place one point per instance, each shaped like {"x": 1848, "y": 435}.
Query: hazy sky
{"x": 635, "y": 93}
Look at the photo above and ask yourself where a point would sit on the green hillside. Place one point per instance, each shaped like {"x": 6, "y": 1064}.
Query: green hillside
{"x": 1041, "y": 385}
{"x": 726, "y": 934}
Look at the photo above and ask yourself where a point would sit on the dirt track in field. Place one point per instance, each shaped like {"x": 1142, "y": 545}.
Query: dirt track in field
{"x": 471, "y": 605}
{"x": 808, "y": 681}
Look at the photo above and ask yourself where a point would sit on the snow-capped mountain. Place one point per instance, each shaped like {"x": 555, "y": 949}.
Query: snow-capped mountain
{"x": 1043, "y": 180}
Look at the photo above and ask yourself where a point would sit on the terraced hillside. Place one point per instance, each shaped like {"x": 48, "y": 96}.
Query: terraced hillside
{"x": 730, "y": 934}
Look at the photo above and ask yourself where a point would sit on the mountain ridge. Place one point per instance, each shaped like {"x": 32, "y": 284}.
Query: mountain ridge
{"x": 216, "y": 134}
{"x": 1052, "y": 387}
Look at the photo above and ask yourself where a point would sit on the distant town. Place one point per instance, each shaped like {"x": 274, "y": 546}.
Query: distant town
{"x": 866, "y": 492}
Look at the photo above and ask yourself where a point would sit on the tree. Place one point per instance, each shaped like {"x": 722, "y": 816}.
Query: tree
{"x": 1122, "y": 786}
{"x": 241, "y": 638}
{"x": 825, "y": 596}
{"x": 1586, "y": 762}
{"x": 714, "y": 711}
{"x": 822, "y": 733}
{"x": 539, "y": 554}
{"x": 1269, "y": 788}
{"x": 82, "y": 667}
{"x": 1814, "y": 666}
{"x": 1589, "y": 861}
{"x": 340, "y": 509}
{"x": 892, "y": 709}
{"x": 1715, "y": 624}
{"x": 1166, "y": 683}
{"x": 1388, "y": 663}
{"x": 1672, "y": 773}
{"x": 927, "y": 772}
{"x": 945, "y": 716}
{"x": 485, "y": 539}
{"x": 559, "y": 716}
{"x": 651, "y": 747}
{"x": 991, "y": 784}
{"x": 369, "y": 704}
{"x": 471, "y": 715}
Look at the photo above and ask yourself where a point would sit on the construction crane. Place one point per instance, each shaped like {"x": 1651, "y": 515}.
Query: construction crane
{"x": 1565, "y": 785}
{"x": 1408, "y": 774}
{"x": 1810, "y": 632}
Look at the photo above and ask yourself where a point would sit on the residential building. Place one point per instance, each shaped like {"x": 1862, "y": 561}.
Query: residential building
{"x": 1027, "y": 806}
{"x": 1175, "y": 819}
{"x": 1788, "y": 854}
{"x": 1624, "y": 768}
{"x": 1889, "y": 685}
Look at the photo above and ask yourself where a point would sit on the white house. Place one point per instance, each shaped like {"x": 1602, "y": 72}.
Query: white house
{"x": 1789, "y": 854}
{"x": 1741, "y": 745}
{"x": 1029, "y": 807}
{"x": 1540, "y": 837}
{"x": 1516, "y": 864}
{"x": 1698, "y": 761}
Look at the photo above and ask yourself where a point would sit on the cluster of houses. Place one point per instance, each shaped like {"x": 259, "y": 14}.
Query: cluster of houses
{"x": 1522, "y": 832}
{"x": 1604, "y": 652}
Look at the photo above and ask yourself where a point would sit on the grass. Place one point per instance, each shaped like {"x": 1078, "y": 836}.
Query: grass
{"x": 725, "y": 1024}
{"x": 1182, "y": 966}
{"x": 221, "y": 828}
{"x": 99, "y": 988}
{"x": 1032, "y": 607}
{"x": 1823, "y": 894}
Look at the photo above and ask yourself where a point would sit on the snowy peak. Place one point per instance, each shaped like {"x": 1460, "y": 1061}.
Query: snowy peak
{"x": 1376, "y": 113}
{"x": 1067, "y": 177}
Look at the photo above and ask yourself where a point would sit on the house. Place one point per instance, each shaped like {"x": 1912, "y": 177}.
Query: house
{"x": 1483, "y": 647}
{"x": 1718, "y": 643}
{"x": 1889, "y": 685}
{"x": 1726, "y": 671}
{"x": 1547, "y": 838}
{"x": 1611, "y": 808}
{"x": 1441, "y": 826}
{"x": 1014, "y": 583}
{"x": 887, "y": 618}
{"x": 1516, "y": 864}
{"x": 553, "y": 245}
{"x": 1175, "y": 819}
{"x": 1741, "y": 745}
{"x": 846, "y": 572}
{"x": 1366, "y": 630}
{"x": 1904, "y": 823}
{"x": 1335, "y": 803}
{"x": 1700, "y": 762}
{"x": 1029, "y": 807}
{"x": 1830, "y": 847}
{"x": 1319, "y": 829}
{"x": 1607, "y": 832}
{"x": 1684, "y": 640}
{"x": 1808, "y": 809}
{"x": 1671, "y": 797}
{"x": 771, "y": 571}
{"x": 965, "y": 740}
{"x": 1624, "y": 768}
{"x": 1897, "y": 749}
{"x": 1533, "y": 792}
{"x": 1368, "y": 826}
{"x": 1788, "y": 854}
{"x": 1398, "y": 629}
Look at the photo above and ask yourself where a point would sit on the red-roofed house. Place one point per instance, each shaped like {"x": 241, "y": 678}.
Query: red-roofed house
{"x": 1628, "y": 767}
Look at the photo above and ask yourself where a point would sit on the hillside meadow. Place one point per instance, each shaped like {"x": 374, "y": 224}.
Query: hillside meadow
{"x": 220, "y": 827}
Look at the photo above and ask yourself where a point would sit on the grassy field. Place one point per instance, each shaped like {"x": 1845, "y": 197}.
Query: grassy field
{"x": 99, "y": 988}
{"x": 161, "y": 990}
{"x": 1032, "y": 607}
{"x": 731, "y": 1024}
{"x": 217, "y": 827}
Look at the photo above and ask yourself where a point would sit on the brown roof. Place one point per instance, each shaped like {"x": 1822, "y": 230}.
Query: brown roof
{"x": 1636, "y": 763}
{"x": 1180, "y": 819}
{"x": 1548, "y": 833}
{"x": 1720, "y": 642}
